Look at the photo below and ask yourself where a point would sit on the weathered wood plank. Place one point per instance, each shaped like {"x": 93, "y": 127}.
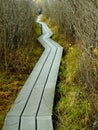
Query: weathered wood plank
{"x": 44, "y": 123}
{"x": 28, "y": 123}
{"x": 11, "y": 123}
{"x": 34, "y": 100}
{"x": 48, "y": 96}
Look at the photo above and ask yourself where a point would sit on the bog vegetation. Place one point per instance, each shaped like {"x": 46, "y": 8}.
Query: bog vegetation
{"x": 77, "y": 89}
{"x": 75, "y": 24}
{"x": 19, "y": 49}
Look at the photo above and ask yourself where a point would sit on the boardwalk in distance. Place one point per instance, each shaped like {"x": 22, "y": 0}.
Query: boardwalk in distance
{"x": 32, "y": 109}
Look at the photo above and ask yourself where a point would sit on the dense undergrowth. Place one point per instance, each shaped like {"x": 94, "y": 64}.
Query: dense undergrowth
{"x": 77, "y": 21}
{"x": 73, "y": 110}
{"x": 20, "y": 64}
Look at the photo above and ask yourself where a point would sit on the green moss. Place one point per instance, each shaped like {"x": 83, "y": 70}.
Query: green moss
{"x": 73, "y": 109}
{"x": 71, "y": 63}
{"x": 38, "y": 30}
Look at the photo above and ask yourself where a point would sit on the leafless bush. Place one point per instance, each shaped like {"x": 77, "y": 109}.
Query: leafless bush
{"x": 78, "y": 20}
{"x": 16, "y": 25}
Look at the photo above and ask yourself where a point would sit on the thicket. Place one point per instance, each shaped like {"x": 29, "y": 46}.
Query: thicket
{"x": 16, "y": 28}
{"x": 78, "y": 21}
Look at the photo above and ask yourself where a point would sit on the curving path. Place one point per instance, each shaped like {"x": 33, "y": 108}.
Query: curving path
{"x": 32, "y": 109}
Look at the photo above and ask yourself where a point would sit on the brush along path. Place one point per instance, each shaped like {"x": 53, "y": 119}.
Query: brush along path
{"x": 32, "y": 109}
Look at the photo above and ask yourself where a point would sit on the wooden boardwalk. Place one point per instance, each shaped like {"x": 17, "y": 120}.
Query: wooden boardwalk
{"x": 32, "y": 109}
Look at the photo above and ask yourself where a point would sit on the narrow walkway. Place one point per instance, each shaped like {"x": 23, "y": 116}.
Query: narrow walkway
{"x": 32, "y": 109}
